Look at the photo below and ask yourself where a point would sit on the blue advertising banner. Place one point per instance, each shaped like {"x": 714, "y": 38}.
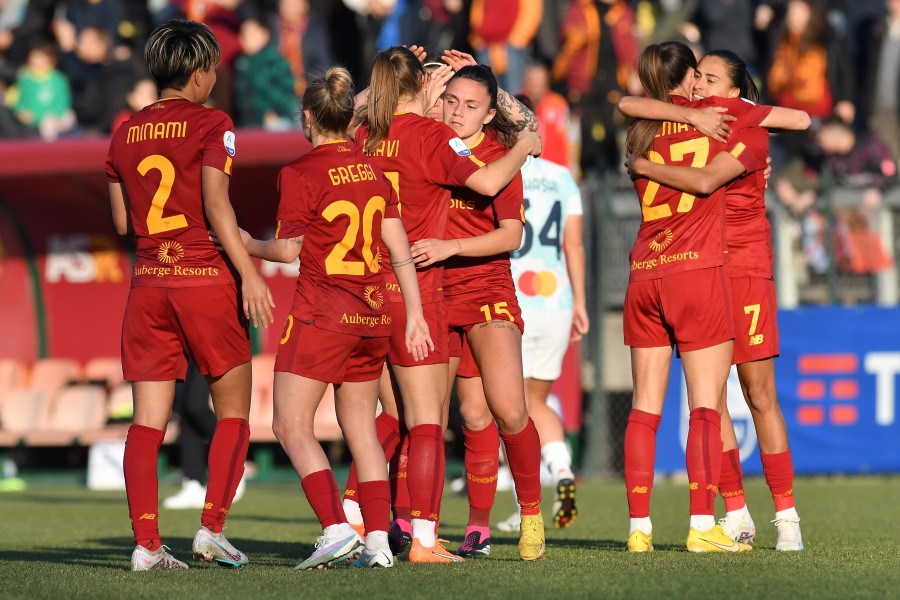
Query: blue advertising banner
{"x": 837, "y": 381}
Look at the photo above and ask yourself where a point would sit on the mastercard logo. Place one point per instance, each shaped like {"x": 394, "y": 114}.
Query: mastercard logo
{"x": 542, "y": 283}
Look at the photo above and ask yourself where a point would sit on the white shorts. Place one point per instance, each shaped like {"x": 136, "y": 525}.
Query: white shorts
{"x": 545, "y": 342}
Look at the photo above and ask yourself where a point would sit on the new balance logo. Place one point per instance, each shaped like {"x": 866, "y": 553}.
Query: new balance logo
{"x": 207, "y": 506}
{"x": 756, "y": 340}
{"x": 640, "y": 489}
{"x": 147, "y": 517}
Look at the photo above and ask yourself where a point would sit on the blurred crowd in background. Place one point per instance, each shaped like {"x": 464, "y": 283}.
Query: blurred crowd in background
{"x": 73, "y": 68}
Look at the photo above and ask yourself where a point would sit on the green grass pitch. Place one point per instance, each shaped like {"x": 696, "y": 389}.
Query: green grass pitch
{"x": 66, "y": 542}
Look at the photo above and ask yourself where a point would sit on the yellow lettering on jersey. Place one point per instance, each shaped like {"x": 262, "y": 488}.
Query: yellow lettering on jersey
{"x": 351, "y": 173}
{"x": 669, "y": 128}
{"x": 462, "y": 205}
{"x": 358, "y": 319}
{"x": 156, "y": 131}
{"x": 387, "y": 148}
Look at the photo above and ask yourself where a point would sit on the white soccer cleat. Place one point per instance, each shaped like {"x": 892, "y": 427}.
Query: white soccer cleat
{"x": 159, "y": 559}
{"x": 374, "y": 559}
{"x": 191, "y": 495}
{"x": 333, "y": 547}
{"x": 789, "y": 539}
{"x": 511, "y": 524}
{"x": 209, "y": 546}
{"x": 740, "y": 528}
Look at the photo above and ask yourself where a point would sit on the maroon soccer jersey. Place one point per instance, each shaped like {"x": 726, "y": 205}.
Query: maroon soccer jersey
{"x": 680, "y": 232}
{"x": 336, "y": 198}
{"x": 157, "y": 156}
{"x": 472, "y": 214}
{"x": 747, "y": 230}
{"x": 419, "y": 156}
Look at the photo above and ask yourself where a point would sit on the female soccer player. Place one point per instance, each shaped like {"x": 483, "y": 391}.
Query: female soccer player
{"x": 754, "y": 312}
{"x": 168, "y": 169}
{"x": 483, "y": 310}
{"x": 419, "y": 157}
{"x": 678, "y": 294}
{"x": 336, "y": 208}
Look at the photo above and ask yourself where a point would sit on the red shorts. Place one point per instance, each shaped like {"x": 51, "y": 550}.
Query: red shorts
{"x": 436, "y": 318}
{"x": 755, "y": 314}
{"x": 462, "y": 317}
{"x": 691, "y": 309}
{"x": 164, "y": 325}
{"x": 329, "y": 356}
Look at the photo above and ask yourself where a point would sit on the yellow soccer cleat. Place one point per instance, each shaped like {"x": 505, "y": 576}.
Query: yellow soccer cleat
{"x": 713, "y": 540}
{"x": 531, "y": 537}
{"x": 639, "y": 541}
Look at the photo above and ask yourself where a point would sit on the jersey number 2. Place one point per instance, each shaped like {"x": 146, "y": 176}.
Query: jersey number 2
{"x": 156, "y": 222}
{"x": 699, "y": 147}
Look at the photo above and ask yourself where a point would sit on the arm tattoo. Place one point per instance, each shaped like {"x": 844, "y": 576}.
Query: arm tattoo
{"x": 517, "y": 112}
{"x": 401, "y": 263}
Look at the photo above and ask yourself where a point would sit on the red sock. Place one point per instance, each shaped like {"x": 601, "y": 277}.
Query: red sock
{"x": 375, "y": 504}
{"x": 640, "y": 458}
{"x": 704, "y": 459}
{"x": 731, "y": 481}
{"x": 322, "y": 493}
{"x": 523, "y": 453}
{"x": 779, "y": 472}
{"x": 425, "y": 475}
{"x": 142, "y": 484}
{"x": 482, "y": 461}
{"x": 227, "y": 453}
{"x": 399, "y": 480}
{"x": 388, "y": 430}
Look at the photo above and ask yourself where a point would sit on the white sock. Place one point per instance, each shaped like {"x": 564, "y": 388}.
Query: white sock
{"x": 558, "y": 459}
{"x": 376, "y": 540}
{"x": 337, "y": 531}
{"x": 788, "y": 513}
{"x": 741, "y": 513}
{"x": 423, "y": 530}
{"x": 351, "y": 509}
{"x": 641, "y": 523}
{"x": 703, "y": 522}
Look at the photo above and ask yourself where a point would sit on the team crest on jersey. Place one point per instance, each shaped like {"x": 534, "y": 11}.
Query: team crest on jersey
{"x": 373, "y": 297}
{"x": 460, "y": 147}
{"x": 228, "y": 140}
{"x": 170, "y": 252}
{"x": 662, "y": 240}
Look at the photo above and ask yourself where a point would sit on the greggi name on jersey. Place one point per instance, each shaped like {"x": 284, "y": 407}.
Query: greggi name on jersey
{"x": 351, "y": 174}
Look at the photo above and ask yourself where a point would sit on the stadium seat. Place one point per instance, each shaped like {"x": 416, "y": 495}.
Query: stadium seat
{"x": 12, "y": 377}
{"x": 22, "y": 411}
{"x": 104, "y": 369}
{"x": 49, "y": 375}
{"x": 74, "y": 410}
{"x": 119, "y": 407}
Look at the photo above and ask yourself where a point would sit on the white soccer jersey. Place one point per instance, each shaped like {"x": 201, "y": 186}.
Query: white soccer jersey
{"x": 539, "y": 266}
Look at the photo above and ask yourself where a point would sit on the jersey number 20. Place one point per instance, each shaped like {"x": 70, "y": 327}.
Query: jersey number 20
{"x": 334, "y": 262}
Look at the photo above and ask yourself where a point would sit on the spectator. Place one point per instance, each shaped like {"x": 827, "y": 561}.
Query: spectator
{"x": 141, "y": 94}
{"x": 552, "y": 112}
{"x": 303, "y": 41}
{"x": 724, "y": 25}
{"x": 263, "y": 85}
{"x": 502, "y": 32}
{"x": 42, "y": 97}
{"x": 880, "y": 92}
{"x": 11, "y": 16}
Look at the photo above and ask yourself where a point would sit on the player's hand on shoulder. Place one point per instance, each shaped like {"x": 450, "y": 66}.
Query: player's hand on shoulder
{"x": 430, "y": 251}
{"x": 712, "y": 121}
{"x": 418, "y": 338}
{"x": 258, "y": 302}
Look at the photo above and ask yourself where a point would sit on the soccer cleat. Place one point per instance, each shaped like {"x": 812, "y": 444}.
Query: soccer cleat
{"x": 360, "y": 529}
{"x": 639, "y": 541}
{"x": 564, "y": 511}
{"x": 191, "y": 495}
{"x": 473, "y": 546}
{"x": 398, "y": 540}
{"x": 209, "y": 546}
{"x": 374, "y": 559}
{"x": 510, "y": 524}
{"x": 789, "y": 539}
{"x": 713, "y": 540}
{"x": 147, "y": 560}
{"x": 741, "y": 529}
{"x": 332, "y": 550}
{"x": 435, "y": 554}
{"x": 531, "y": 537}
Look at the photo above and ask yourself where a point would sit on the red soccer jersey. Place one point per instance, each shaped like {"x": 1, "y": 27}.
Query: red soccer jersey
{"x": 418, "y": 157}
{"x": 747, "y": 229}
{"x": 336, "y": 198}
{"x": 472, "y": 214}
{"x": 680, "y": 232}
{"x": 157, "y": 156}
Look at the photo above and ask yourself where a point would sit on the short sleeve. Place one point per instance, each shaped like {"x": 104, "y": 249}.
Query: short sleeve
{"x": 392, "y": 206}
{"x": 750, "y": 146}
{"x": 509, "y": 203}
{"x": 219, "y": 148}
{"x": 112, "y": 175}
{"x": 446, "y": 159}
{"x": 294, "y": 210}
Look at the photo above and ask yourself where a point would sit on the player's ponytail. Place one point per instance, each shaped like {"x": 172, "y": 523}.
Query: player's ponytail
{"x": 330, "y": 101}
{"x": 738, "y": 74}
{"x": 506, "y": 130}
{"x": 396, "y": 74}
{"x": 661, "y": 68}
